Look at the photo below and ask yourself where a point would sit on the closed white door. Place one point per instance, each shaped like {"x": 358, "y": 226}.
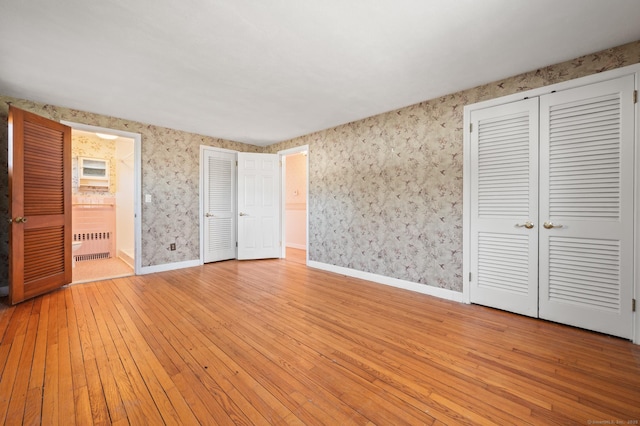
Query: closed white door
{"x": 569, "y": 259}
{"x": 258, "y": 206}
{"x": 219, "y": 205}
{"x": 586, "y": 204}
{"x": 504, "y": 217}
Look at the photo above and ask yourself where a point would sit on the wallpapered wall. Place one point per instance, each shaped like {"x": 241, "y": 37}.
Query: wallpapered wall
{"x": 170, "y": 173}
{"x": 385, "y": 193}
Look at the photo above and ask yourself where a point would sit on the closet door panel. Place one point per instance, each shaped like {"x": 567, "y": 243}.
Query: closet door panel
{"x": 504, "y": 265}
{"x": 586, "y": 200}
{"x": 219, "y": 205}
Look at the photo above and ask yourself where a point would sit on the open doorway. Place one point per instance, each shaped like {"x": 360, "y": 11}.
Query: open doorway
{"x": 104, "y": 203}
{"x": 295, "y": 180}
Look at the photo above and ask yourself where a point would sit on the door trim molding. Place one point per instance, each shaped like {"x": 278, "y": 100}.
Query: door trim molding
{"x": 466, "y": 189}
{"x": 137, "y": 177}
{"x": 283, "y": 183}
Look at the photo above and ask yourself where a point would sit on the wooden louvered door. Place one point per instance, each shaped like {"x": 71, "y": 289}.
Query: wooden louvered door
{"x": 219, "y": 205}
{"x": 40, "y": 205}
{"x": 586, "y": 194}
{"x": 504, "y": 216}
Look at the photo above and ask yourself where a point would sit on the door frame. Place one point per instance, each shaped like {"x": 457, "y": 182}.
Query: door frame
{"x": 204, "y": 148}
{"x": 466, "y": 198}
{"x": 137, "y": 172}
{"x": 283, "y": 182}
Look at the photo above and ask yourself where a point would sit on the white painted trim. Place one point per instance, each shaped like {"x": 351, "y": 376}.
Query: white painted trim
{"x": 466, "y": 205}
{"x": 137, "y": 172}
{"x": 570, "y": 84}
{"x": 169, "y": 266}
{"x": 636, "y": 243}
{"x": 441, "y": 293}
{"x": 204, "y": 148}
{"x": 126, "y": 258}
{"x": 283, "y": 182}
{"x": 466, "y": 197}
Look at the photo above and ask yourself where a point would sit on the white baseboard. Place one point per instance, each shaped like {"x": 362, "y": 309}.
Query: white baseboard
{"x": 297, "y": 246}
{"x": 442, "y": 293}
{"x": 169, "y": 266}
{"x": 126, "y": 257}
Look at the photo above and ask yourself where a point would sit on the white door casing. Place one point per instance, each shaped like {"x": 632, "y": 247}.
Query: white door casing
{"x": 219, "y": 216}
{"x": 587, "y": 194}
{"x": 258, "y": 206}
{"x": 504, "y": 212}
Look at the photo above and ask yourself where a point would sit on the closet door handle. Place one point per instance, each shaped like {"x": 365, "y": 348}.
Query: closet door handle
{"x": 528, "y": 224}
{"x": 550, "y": 225}
{"x": 209, "y": 215}
{"x": 243, "y": 214}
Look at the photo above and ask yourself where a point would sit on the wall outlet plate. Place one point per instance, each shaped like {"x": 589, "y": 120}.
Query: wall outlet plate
{"x": 172, "y": 246}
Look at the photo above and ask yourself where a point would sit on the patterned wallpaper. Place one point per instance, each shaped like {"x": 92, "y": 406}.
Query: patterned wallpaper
{"x": 170, "y": 173}
{"x": 91, "y": 146}
{"x": 385, "y": 193}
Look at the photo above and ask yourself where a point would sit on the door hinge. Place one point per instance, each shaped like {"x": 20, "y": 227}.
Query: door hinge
{"x": 633, "y": 305}
{"x": 635, "y": 96}
{"x": 236, "y": 163}
{"x": 469, "y": 276}
{"x": 470, "y": 127}
{"x": 236, "y": 244}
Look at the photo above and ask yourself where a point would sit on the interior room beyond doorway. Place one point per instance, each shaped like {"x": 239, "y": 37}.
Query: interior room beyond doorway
{"x": 103, "y": 182}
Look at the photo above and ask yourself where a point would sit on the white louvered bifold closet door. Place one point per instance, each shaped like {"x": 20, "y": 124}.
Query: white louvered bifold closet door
{"x": 219, "y": 205}
{"x": 586, "y": 194}
{"x": 504, "y": 175}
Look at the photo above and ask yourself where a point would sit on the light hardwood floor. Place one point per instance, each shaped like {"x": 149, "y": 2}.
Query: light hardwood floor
{"x": 275, "y": 342}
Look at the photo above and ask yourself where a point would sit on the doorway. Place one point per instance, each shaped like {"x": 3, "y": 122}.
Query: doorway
{"x": 105, "y": 203}
{"x": 295, "y": 200}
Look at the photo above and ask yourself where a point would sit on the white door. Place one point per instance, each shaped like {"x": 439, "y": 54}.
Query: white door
{"x": 219, "y": 205}
{"x": 504, "y": 211}
{"x": 586, "y": 202}
{"x": 258, "y": 206}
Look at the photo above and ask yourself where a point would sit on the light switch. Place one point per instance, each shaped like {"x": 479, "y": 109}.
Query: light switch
{"x": 147, "y": 198}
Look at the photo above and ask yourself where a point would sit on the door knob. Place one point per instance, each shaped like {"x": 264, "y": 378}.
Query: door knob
{"x": 528, "y": 224}
{"x": 210, "y": 215}
{"x": 20, "y": 219}
{"x": 243, "y": 214}
{"x": 550, "y": 225}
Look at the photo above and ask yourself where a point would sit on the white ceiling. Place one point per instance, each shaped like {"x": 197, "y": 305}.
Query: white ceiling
{"x": 265, "y": 71}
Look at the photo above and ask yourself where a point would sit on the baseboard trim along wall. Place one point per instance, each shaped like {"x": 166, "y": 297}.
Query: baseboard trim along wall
{"x": 297, "y": 246}
{"x": 442, "y": 293}
{"x": 169, "y": 267}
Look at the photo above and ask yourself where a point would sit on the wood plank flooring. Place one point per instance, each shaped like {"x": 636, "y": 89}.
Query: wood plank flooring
{"x": 275, "y": 342}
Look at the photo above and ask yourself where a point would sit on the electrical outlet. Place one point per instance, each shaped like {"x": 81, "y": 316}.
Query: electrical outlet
{"x": 172, "y": 246}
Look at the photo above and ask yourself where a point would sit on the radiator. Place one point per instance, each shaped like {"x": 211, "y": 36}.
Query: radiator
{"x": 95, "y": 245}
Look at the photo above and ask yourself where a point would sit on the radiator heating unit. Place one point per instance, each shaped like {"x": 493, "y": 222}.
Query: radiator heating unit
{"x": 95, "y": 245}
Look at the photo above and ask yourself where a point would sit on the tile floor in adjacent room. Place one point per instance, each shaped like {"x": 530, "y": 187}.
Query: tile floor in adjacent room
{"x": 101, "y": 269}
